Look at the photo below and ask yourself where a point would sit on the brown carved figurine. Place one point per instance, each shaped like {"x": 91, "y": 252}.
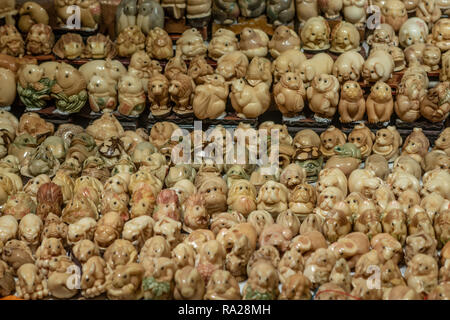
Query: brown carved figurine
{"x": 387, "y": 143}
{"x": 352, "y": 105}
{"x": 158, "y": 94}
{"x": 315, "y": 34}
{"x": 40, "y": 39}
{"x": 435, "y": 106}
{"x": 210, "y": 98}
{"x": 289, "y": 94}
{"x": 159, "y": 44}
{"x": 11, "y": 42}
{"x": 99, "y": 47}
{"x": 181, "y": 91}
{"x": 283, "y": 39}
{"x": 380, "y": 103}
{"x": 323, "y": 95}
{"x": 130, "y": 40}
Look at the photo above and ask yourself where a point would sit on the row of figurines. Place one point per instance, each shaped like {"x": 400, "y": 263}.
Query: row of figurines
{"x": 315, "y": 35}
{"x": 202, "y": 91}
{"x": 87, "y": 15}
{"x": 369, "y": 188}
{"x": 419, "y": 223}
{"x": 32, "y": 146}
{"x": 153, "y": 260}
{"x": 150, "y": 13}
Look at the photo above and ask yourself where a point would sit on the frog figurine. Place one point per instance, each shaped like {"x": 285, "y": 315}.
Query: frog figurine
{"x": 347, "y": 158}
{"x": 33, "y": 88}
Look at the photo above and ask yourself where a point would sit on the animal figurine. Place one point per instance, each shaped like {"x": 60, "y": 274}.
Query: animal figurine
{"x": 125, "y": 283}
{"x": 435, "y": 106}
{"x": 40, "y": 39}
{"x": 108, "y": 69}
{"x": 262, "y": 283}
{"x": 387, "y": 143}
{"x": 354, "y": 11}
{"x": 249, "y": 101}
{"x": 210, "y": 98}
{"x": 352, "y": 105}
{"x": 323, "y": 95}
{"x": 222, "y": 286}
{"x": 289, "y": 94}
{"x": 31, "y": 13}
{"x": 283, "y": 39}
{"x": 150, "y": 15}
{"x": 131, "y": 96}
{"x": 191, "y": 45}
{"x": 253, "y": 43}
{"x": 429, "y": 11}
{"x": 306, "y": 9}
{"x": 315, "y": 34}
{"x": 344, "y": 37}
{"x": 158, "y": 94}
{"x": 223, "y": 41}
{"x": 189, "y": 284}
{"x": 102, "y": 96}
{"x": 11, "y": 41}
{"x": 280, "y": 12}
{"x": 159, "y": 44}
{"x": 33, "y": 88}
{"x": 288, "y": 61}
{"x": 225, "y": 11}
{"x": 126, "y": 15}
{"x": 394, "y": 13}
{"x": 94, "y": 277}
{"x": 69, "y": 90}
{"x": 181, "y": 92}
{"x": 378, "y": 66}
{"x": 380, "y": 103}
{"x": 129, "y": 41}
{"x": 99, "y": 46}
{"x": 232, "y": 65}
{"x": 252, "y": 8}
{"x": 198, "y": 69}
{"x": 31, "y": 284}
{"x": 320, "y": 63}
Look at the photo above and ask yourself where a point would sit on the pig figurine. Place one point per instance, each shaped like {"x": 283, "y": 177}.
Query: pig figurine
{"x": 378, "y": 66}
{"x": 320, "y": 63}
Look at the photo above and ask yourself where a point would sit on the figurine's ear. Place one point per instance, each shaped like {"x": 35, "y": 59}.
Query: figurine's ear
{"x": 309, "y": 72}
{"x": 379, "y": 69}
{"x": 291, "y": 66}
{"x": 355, "y": 71}
{"x": 58, "y": 50}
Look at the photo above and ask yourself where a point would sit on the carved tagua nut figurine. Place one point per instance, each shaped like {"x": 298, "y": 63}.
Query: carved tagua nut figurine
{"x": 69, "y": 46}
{"x": 352, "y": 105}
{"x": 129, "y": 41}
{"x": 40, "y": 39}
{"x": 380, "y": 103}
{"x": 283, "y": 39}
{"x": 11, "y": 41}
{"x": 344, "y": 37}
{"x": 289, "y": 94}
{"x": 315, "y": 34}
{"x": 225, "y": 11}
{"x": 159, "y": 44}
{"x": 323, "y": 95}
